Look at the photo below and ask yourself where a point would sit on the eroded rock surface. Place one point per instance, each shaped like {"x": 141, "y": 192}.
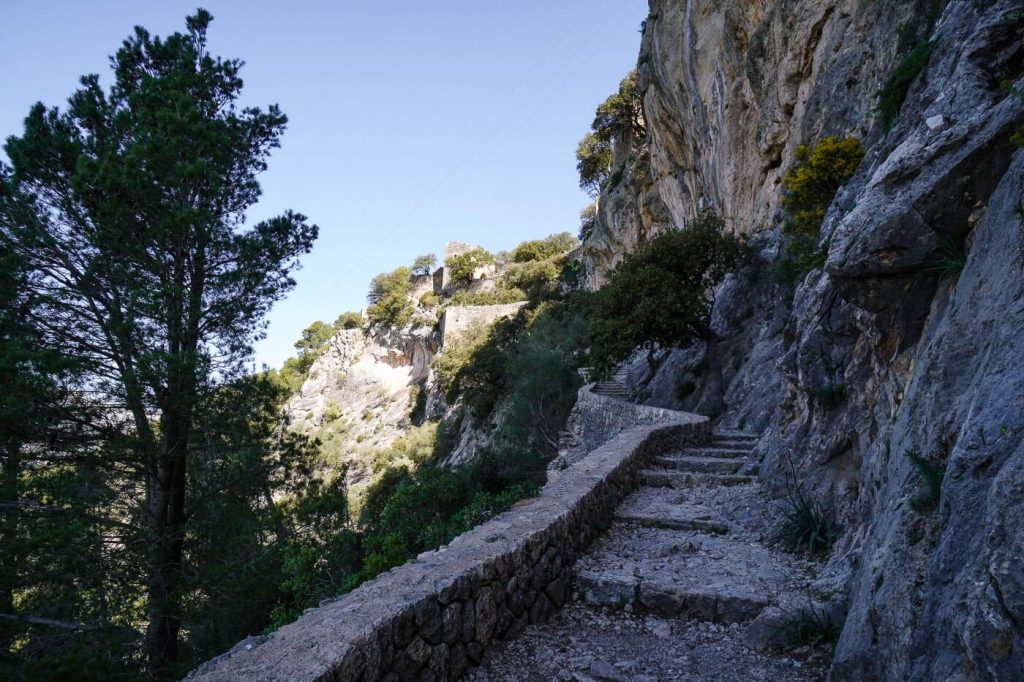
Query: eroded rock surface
{"x": 886, "y": 351}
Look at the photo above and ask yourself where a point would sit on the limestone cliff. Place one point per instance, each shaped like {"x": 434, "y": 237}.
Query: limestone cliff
{"x": 916, "y": 359}
{"x": 359, "y": 394}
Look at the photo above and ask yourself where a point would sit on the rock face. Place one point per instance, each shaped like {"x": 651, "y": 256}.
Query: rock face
{"x": 358, "y": 396}
{"x": 883, "y": 352}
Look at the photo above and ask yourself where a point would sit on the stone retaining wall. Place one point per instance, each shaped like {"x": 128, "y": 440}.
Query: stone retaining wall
{"x": 457, "y": 319}
{"x": 596, "y": 419}
{"x": 434, "y": 617}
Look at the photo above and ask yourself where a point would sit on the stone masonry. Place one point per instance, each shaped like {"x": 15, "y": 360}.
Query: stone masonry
{"x": 435, "y": 617}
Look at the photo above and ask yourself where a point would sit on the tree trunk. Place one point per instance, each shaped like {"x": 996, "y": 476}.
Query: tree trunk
{"x": 167, "y": 529}
{"x": 10, "y": 468}
{"x": 712, "y": 402}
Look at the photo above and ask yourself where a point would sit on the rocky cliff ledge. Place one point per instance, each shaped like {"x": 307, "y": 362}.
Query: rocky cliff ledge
{"x": 881, "y": 353}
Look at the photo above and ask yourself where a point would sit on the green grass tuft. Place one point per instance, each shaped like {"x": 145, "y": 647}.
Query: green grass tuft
{"x": 896, "y": 87}
{"x": 931, "y": 475}
{"x": 807, "y": 627}
{"x": 806, "y": 528}
{"x": 948, "y": 260}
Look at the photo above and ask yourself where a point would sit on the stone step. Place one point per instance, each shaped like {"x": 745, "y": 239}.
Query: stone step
{"x": 736, "y": 435}
{"x": 702, "y": 465}
{"x": 677, "y": 573}
{"x": 672, "y": 520}
{"x": 711, "y": 451}
{"x": 665, "y": 478}
{"x": 733, "y": 443}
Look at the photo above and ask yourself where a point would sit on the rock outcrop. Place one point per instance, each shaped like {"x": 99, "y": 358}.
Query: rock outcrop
{"x": 359, "y": 394}
{"x": 890, "y": 349}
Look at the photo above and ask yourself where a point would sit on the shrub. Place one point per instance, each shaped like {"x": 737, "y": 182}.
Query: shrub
{"x": 830, "y": 395}
{"x": 394, "y": 310}
{"x": 813, "y": 181}
{"x": 389, "y": 298}
{"x": 349, "y": 320}
{"x": 461, "y": 267}
{"x": 800, "y": 256}
{"x": 544, "y": 249}
{"x": 499, "y": 296}
{"x": 894, "y": 91}
{"x": 810, "y": 626}
{"x": 948, "y": 260}
{"x": 534, "y": 277}
{"x": 662, "y": 294}
{"x": 806, "y": 527}
{"x": 429, "y": 300}
{"x": 931, "y": 475}
{"x": 387, "y": 283}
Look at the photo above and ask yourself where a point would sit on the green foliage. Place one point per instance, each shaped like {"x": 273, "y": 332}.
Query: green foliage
{"x": 806, "y": 527}
{"x": 588, "y": 219}
{"x": 544, "y": 249}
{"x": 830, "y": 395}
{"x": 800, "y": 256}
{"x": 662, "y": 293}
{"x": 894, "y": 91}
{"x": 931, "y": 475}
{"x": 408, "y": 513}
{"x": 461, "y": 267}
{"x": 423, "y": 265}
{"x": 429, "y": 300}
{"x": 498, "y": 296}
{"x": 618, "y": 116}
{"x": 349, "y": 320}
{"x": 145, "y": 273}
{"x": 813, "y": 181}
{"x": 948, "y": 260}
{"x": 593, "y": 163}
{"x": 389, "y": 299}
{"x": 537, "y": 278}
{"x": 810, "y": 626}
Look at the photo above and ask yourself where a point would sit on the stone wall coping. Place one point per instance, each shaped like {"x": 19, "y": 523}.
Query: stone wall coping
{"x": 363, "y": 635}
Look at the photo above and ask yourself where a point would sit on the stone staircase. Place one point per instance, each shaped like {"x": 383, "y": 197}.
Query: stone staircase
{"x": 687, "y": 567}
{"x": 616, "y": 388}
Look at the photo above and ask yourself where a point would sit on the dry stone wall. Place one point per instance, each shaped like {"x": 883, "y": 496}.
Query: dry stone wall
{"x": 458, "y": 319}
{"x": 433, "y": 618}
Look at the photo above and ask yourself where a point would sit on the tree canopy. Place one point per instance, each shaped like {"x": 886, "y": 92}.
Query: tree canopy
{"x": 661, "y": 295}
{"x": 128, "y": 210}
{"x": 618, "y": 117}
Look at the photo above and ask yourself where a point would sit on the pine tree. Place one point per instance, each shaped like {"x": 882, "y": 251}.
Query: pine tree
{"x": 128, "y": 208}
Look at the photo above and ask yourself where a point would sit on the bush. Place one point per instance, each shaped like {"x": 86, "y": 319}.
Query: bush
{"x": 948, "y": 260}
{"x": 931, "y": 475}
{"x": 429, "y": 300}
{"x": 800, "y": 255}
{"x": 499, "y": 296}
{"x": 811, "y": 626}
{"x": 462, "y": 266}
{"x": 812, "y": 183}
{"x": 544, "y": 249}
{"x": 894, "y": 91}
{"x": 349, "y": 320}
{"x": 394, "y": 310}
{"x": 830, "y": 395}
{"x": 662, "y": 294}
{"x": 535, "y": 277}
{"x": 806, "y": 526}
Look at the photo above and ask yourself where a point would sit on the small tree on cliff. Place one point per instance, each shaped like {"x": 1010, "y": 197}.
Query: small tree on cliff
{"x": 129, "y": 209}
{"x": 619, "y": 116}
{"x": 662, "y": 295}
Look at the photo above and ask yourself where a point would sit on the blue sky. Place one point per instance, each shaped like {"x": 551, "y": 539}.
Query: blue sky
{"x": 411, "y": 123}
